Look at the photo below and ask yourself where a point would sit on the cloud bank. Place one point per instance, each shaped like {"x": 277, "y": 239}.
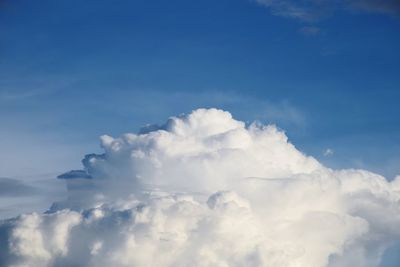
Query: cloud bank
{"x": 207, "y": 190}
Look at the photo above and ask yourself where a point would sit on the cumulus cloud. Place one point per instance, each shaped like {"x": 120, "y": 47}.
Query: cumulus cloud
{"x": 204, "y": 189}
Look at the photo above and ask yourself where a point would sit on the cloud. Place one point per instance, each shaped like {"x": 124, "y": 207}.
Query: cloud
{"x": 310, "y": 30}
{"x": 282, "y": 113}
{"x": 204, "y": 189}
{"x": 308, "y": 11}
{"x": 391, "y": 7}
{"x": 10, "y": 187}
{"x": 328, "y": 152}
{"x": 314, "y": 10}
{"x": 28, "y": 194}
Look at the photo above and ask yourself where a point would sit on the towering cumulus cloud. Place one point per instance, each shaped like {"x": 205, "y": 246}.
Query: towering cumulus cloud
{"x": 206, "y": 190}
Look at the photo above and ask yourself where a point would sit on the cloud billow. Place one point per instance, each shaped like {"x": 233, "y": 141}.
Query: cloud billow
{"x": 205, "y": 189}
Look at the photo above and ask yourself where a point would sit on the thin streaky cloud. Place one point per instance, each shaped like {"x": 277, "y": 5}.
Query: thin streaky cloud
{"x": 315, "y": 10}
{"x": 310, "y": 31}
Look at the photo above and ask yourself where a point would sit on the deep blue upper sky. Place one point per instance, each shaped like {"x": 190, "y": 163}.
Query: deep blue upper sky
{"x": 73, "y": 70}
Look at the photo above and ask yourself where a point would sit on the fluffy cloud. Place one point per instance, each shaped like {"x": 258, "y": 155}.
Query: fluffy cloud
{"x": 207, "y": 190}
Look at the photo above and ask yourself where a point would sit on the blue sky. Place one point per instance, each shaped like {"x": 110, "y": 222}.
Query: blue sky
{"x": 73, "y": 70}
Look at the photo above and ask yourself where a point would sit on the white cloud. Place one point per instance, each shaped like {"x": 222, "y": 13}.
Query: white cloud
{"x": 304, "y": 11}
{"x": 328, "y": 152}
{"x": 205, "y": 190}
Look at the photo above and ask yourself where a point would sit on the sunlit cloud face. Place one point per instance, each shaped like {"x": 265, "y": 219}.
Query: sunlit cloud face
{"x": 204, "y": 189}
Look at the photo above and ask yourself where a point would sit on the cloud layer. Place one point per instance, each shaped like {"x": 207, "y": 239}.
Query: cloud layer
{"x": 10, "y": 187}
{"x": 207, "y": 190}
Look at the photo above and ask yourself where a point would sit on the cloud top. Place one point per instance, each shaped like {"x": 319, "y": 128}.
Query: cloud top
{"x": 205, "y": 189}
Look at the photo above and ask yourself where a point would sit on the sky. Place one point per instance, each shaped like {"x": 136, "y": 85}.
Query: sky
{"x": 71, "y": 71}
{"x": 326, "y": 72}
{"x": 205, "y": 189}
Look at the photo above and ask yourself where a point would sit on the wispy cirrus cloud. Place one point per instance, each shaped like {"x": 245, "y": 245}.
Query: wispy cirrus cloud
{"x": 314, "y": 10}
{"x": 308, "y": 11}
{"x": 310, "y": 30}
{"x": 391, "y": 7}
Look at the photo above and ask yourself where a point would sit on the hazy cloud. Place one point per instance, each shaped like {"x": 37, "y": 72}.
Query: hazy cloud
{"x": 302, "y": 10}
{"x": 310, "y": 30}
{"x": 314, "y": 10}
{"x": 391, "y": 7}
{"x": 10, "y": 187}
{"x": 328, "y": 152}
{"x": 205, "y": 189}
